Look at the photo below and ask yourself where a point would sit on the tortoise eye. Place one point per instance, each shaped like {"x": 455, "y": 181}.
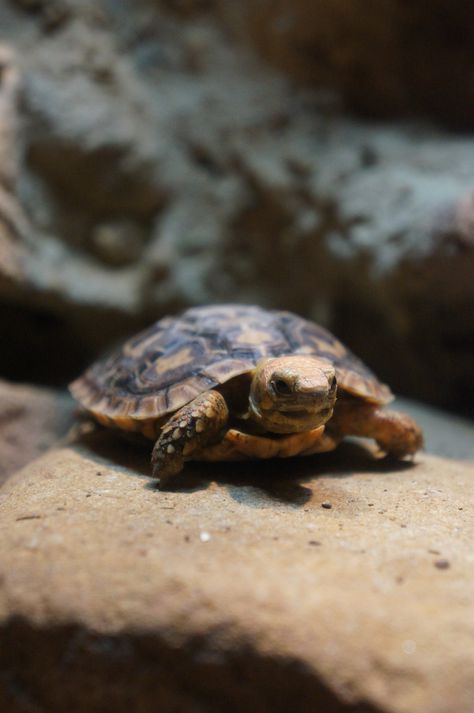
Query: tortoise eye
{"x": 281, "y": 387}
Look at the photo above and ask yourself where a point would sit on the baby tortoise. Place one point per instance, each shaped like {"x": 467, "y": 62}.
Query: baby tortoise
{"x": 229, "y": 382}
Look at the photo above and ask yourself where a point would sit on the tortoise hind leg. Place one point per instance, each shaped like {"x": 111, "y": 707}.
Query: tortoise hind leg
{"x": 190, "y": 429}
{"x": 396, "y": 433}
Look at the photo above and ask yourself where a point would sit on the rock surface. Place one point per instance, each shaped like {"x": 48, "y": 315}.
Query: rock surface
{"x": 427, "y": 50}
{"x": 31, "y": 421}
{"x": 335, "y": 583}
{"x": 12, "y": 221}
{"x": 139, "y": 184}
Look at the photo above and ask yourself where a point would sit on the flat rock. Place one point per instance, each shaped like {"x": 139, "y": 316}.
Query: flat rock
{"x": 32, "y": 419}
{"x": 333, "y": 583}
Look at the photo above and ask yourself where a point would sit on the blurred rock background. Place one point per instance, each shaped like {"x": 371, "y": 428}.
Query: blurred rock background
{"x": 314, "y": 156}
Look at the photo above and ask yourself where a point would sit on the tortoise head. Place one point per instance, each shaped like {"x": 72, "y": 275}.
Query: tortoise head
{"x": 290, "y": 394}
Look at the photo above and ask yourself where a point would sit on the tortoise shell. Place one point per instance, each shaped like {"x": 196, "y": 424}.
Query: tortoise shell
{"x": 177, "y": 358}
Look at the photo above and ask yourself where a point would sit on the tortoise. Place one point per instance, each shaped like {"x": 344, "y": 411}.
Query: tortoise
{"x": 230, "y": 382}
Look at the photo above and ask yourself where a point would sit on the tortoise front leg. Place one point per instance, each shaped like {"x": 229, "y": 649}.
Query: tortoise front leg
{"x": 190, "y": 429}
{"x": 237, "y": 445}
{"x": 396, "y": 433}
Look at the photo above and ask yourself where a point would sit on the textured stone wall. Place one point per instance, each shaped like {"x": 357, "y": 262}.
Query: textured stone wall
{"x": 385, "y": 57}
{"x": 159, "y": 163}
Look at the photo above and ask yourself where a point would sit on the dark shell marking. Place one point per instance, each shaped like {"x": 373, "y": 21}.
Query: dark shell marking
{"x": 177, "y": 358}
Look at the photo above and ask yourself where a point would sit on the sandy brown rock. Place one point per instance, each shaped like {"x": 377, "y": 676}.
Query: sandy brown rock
{"x": 240, "y": 592}
{"x": 32, "y": 419}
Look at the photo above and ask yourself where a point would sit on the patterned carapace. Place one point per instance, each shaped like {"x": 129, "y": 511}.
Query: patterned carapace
{"x": 177, "y": 358}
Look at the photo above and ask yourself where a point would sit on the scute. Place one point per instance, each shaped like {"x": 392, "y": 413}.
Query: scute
{"x": 173, "y": 361}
